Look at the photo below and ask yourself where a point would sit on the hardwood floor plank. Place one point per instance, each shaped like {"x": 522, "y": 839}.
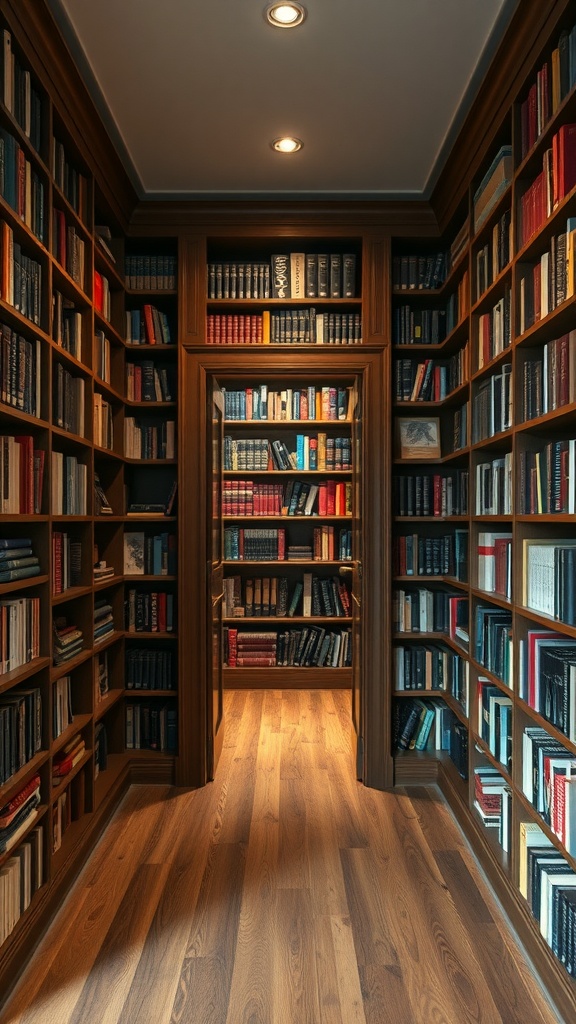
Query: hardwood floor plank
{"x": 293, "y": 869}
{"x": 105, "y": 990}
{"x": 206, "y": 972}
{"x": 295, "y": 992}
{"x": 251, "y": 991}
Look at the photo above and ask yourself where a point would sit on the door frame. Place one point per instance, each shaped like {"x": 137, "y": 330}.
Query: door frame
{"x": 197, "y": 366}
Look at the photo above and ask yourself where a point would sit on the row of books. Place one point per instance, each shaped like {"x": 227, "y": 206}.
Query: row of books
{"x": 150, "y": 611}
{"x": 150, "y": 271}
{"x": 548, "y": 577}
{"x": 21, "y": 186}
{"x": 549, "y": 782}
{"x": 431, "y": 494}
{"x": 149, "y": 382}
{"x": 19, "y": 632}
{"x": 550, "y": 186}
{"x": 493, "y": 641}
{"x": 312, "y": 596}
{"x": 307, "y": 646}
{"x": 327, "y": 402}
{"x": 21, "y": 475}
{"x": 492, "y": 405}
{"x": 551, "y": 896}
{"x": 102, "y": 422}
{"x": 66, "y": 324}
{"x": 149, "y": 440}
{"x": 494, "y": 489}
{"x": 148, "y": 326}
{"x": 420, "y": 610}
{"x": 431, "y": 667}
{"x": 69, "y": 485}
{"x": 429, "y": 380}
{"x": 495, "y": 721}
{"x": 150, "y": 668}
{"x": 68, "y": 247}
{"x": 149, "y": 554}
{"x": 20, "y": 94}
{"x": 547, "y": 677}
{"x": 495, "y": 563}
{"x": 294, "y": 275}
{"x": 20, "y": 372}
{"x": 421, "y": 724}
{"x": 20, "y": 729}
{"x": 68, "y": 403}
{"x": 62, "y": 713}
{"x": 491, "y": 259}
{"x": 66, "y": 562}
{"x": 68, "y": 178}
{"x": 286, "y": 327}
{"x": 152, "y": 726}
{"x": 414, "y": 326}
{"x": 547, "y": 478}
{"x": 296, "y": 498}
{"x": 422, "y": 271}
{"x": 549, "y": 379}
{"x": 21, "y": 277}
{"x": 23, "y": 872}
{"x": 320, "y": 451}
{"x": 554, "y": 81}
{"x": 494, "y": 329}
{"x": 417, "y": 555}
{"x": 549, "y": 281}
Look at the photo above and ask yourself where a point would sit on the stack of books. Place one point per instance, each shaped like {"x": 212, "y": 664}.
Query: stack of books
{"x": 17, "y": 559}
{"x": 103, "y": 620}
{"x": 68, "y": 641}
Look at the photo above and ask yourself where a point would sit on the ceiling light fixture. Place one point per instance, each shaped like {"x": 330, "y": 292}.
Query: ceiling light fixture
{"x": 285, "y": 15}
{"x": 287, "y": 144}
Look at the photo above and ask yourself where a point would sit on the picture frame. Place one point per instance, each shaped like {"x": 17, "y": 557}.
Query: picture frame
{"x": 418, "y": 437}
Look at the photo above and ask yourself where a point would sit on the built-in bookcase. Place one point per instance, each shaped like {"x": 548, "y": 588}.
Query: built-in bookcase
{"x": 73, "y": 673}
{"x": 516, "y": 470}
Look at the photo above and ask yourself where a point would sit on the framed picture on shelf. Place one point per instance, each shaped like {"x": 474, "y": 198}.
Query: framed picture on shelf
{"x": 418, "y": 438}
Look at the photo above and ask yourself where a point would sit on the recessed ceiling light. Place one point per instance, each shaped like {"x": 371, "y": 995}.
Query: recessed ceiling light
{"x": 285, "y": 15}
{"x": 287, "y": 144}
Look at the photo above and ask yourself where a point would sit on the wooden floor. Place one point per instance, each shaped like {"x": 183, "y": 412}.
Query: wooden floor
{"x": 283, "y": 893}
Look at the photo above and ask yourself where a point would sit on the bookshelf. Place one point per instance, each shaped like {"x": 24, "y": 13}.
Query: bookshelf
{"x": 514, "y": 500}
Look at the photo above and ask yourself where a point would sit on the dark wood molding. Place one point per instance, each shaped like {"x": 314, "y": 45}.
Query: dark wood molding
{"x": 413, "y": 218}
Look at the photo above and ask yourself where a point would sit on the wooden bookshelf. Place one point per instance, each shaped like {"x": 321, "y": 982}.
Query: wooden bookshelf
{"x": 511, "y": 327}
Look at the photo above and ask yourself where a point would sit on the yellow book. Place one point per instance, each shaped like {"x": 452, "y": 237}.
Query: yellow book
{"x": 266, "y": 327}
{"x": 322, "y": 451}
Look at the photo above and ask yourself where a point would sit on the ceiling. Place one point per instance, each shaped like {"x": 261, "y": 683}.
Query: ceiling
{"x": 193, "y": 93}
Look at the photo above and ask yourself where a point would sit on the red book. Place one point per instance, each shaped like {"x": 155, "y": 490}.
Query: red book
{"x": 330, "y": 497}
{"x": 149, "y": 324}
{"x": 566, "y": 153}
{"x": 162, "y": 611}
{"x": 98, "y": 290}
